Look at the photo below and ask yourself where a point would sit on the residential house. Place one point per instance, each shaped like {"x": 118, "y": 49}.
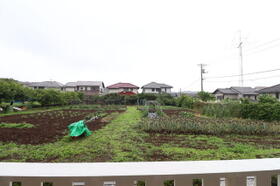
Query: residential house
{"x": 123, "y": 88}
{"x": 45, "y": 85}
{"x": 235, "y": 93}
{"x": 157, "y": 88}
{"x": 86, "y": 87}
{"x": 273, "y": 91}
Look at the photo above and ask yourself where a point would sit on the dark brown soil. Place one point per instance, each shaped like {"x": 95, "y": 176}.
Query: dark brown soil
{"x": 49, "y": 126}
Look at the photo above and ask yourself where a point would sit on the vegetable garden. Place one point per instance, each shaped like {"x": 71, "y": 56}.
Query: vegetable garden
{"x": 48, "y": 126}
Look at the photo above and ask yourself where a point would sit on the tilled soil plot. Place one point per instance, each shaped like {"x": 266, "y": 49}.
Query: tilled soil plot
{"x": 49, "y": 126}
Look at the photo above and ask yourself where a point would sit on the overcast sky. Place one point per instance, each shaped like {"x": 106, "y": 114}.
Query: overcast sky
{"x": 140, "y": 41}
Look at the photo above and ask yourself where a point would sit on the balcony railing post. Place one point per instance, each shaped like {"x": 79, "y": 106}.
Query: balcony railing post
{"x": 154, "y": 181}
{"x": 211, "y": 181}
{"x": 30, "y": 182}
{"x": 263, "y": 179}
{"x": 236, "y": 181}
{"x": 124, "y": 181}
{"x": 183, "y": 181}
{"x": 4, "y": 181}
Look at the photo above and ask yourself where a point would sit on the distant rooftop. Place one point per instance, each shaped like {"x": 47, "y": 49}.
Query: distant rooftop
{"x": 47, "y": 84}
{"x": 237, "y": 90}
{"x": 122, "y": 85}
{"x": 156, "y": 85}
{"x": 84, "y": 83}
{"x": 272, "y": 89}
{"x": 245, "y": 90}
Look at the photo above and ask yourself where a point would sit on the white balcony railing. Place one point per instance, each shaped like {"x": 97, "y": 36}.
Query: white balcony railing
{"x": 256, "y": 172}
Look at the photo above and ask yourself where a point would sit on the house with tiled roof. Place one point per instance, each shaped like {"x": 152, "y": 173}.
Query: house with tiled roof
{"x": 273, "y": 91}
{"x": 235, "y": 93}
{"x": 157, "y": 88}
{"x": 122, "y": 88}
{"x": 45, "y": 85}
{"x": 86, "y": 87}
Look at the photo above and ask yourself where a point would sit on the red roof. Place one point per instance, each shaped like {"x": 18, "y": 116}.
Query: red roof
{"x": 123, "y": 85}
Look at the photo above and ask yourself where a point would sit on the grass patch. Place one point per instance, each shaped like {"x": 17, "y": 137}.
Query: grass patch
{"x": 16, "y": 125}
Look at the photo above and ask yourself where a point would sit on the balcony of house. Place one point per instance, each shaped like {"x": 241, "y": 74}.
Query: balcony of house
{"x": 255, "y": 172}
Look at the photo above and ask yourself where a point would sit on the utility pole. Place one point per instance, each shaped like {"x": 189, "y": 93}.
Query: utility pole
{"x": 241, "y": 60}
{"x": 202, "y": 71}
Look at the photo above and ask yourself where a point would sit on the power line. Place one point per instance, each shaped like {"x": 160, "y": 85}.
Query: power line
{"x": 263, "y": 49}
{"x": 251, "y": 73}
{"x": 263, "y": 44}
{"x": 254, "y": 79}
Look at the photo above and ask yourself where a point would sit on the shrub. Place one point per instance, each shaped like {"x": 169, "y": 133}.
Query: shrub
{"x": 261, "y": 111}
{"x": 221, "y": 110}
{"x": 205, "y": 96}
{"x": 267, "y": 99}
{"x": 185, "y": 101}
{"x": 166, "y": 99}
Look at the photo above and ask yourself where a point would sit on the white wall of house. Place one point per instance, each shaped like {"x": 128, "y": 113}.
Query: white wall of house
{"x": 154, "y": 90}
{"x": 54, "y": 88}
{"x": 167, "y": 90}
{"x": 149, "y": 90}
{"x": 251, "y": 97}
{"x": 228, "y": 96}
{"x": 118, "y": 90}
{"x": 69, "y": 89}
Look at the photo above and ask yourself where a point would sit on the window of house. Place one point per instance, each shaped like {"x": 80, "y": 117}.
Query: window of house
{"x": 109, "y": 183}
{"x": 78, "y": 184}
{"x": 15, "y": 183}
{"x": 139, "y": 183}
{"x": 197, "y": 182}
{"x": 169, "y": 183}
{"x": 153, "y": 89}
{"x": 46, "y": 184}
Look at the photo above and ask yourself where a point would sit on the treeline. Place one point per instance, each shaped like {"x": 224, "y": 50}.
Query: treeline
{"x": 11, "y": 91}
{"x": 267, "y": 108}
{"x": 163, "y": 99}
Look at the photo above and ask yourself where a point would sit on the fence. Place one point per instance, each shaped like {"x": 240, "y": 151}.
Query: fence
{"x": 258, "y": 172}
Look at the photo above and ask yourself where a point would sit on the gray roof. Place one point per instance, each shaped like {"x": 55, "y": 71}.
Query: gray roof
{"x": 48, "y": 84}
{"x": 272, "y": 89}
{"x": 237, "y": 90}
{"x": 259, "y": 88}
{"x": 225, "y": 91}
{"x": 156, "y": 85}
{"x": 84, "y": 83}
{"x": 244, "y": 90}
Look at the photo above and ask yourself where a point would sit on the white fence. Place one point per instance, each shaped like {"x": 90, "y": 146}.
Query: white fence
{"x": 187, "y": 173}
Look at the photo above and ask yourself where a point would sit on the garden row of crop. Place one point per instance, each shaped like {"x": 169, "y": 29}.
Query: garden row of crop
{"x": 211, "y": 126}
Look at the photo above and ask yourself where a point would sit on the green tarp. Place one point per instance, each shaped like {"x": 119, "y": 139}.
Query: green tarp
{"x": 79, "y": 128}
